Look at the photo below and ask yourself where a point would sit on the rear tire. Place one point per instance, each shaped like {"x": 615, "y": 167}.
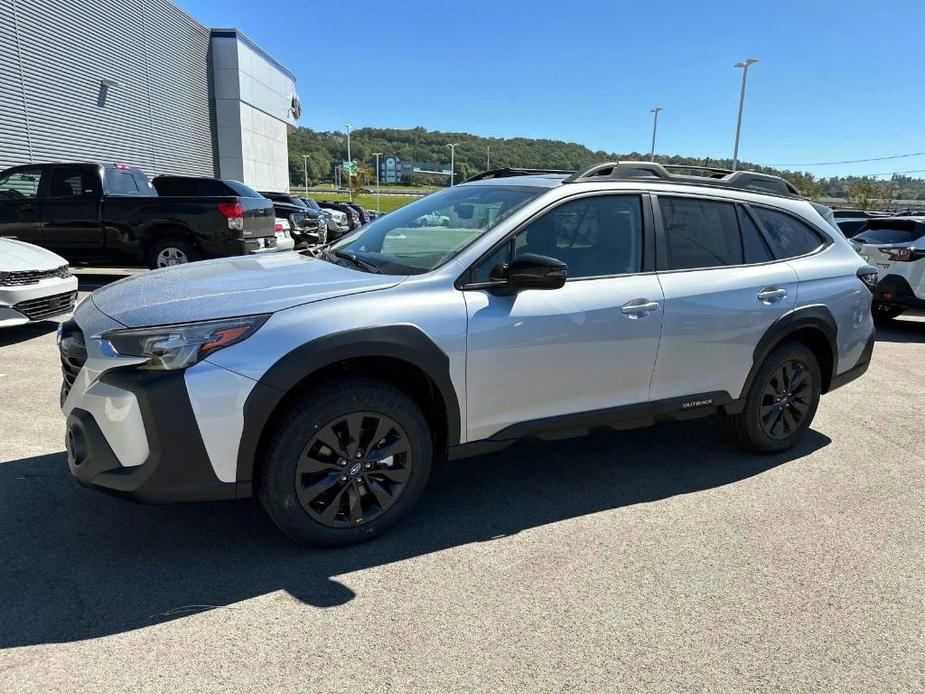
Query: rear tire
{"x": 884, "y": 313}
{"x": 344, "y": 463}
{"x": 170, "y": 252}
{"x": 781, "y": 402}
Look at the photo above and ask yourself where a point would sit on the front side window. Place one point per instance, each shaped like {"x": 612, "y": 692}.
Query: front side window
{"x": 427, "y": 233}
{"x": 594, "y": 236}
{"x": 700, "y": 233}
{"x": 789, "y": 236}
{"x": 21, "y": 184}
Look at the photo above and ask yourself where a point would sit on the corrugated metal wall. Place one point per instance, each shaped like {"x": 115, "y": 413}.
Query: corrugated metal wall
{"x": 55, "y": 54}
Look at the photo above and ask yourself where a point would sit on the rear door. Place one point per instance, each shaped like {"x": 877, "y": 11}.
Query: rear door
{"x": 723, "y": 289}
{"x": 20, "y": 216}
{"x": 70, "y": 207}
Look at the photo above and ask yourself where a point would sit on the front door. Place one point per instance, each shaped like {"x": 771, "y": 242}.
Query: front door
{"x": 589, "y": 345}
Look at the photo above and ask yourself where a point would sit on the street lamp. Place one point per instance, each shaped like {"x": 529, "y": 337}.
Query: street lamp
{"x": 744, "y": 65}
{"x": 305, "y": 161}
{"x": 349, "y": 163}
{"x": 654, "y": 130}
{"x": 377, "y": 155}
{"x": 453, "y": 163}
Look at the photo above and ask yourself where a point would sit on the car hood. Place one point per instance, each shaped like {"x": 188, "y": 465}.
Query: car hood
{"x": 228, "y": 287}
{"x": 19, "y": 255}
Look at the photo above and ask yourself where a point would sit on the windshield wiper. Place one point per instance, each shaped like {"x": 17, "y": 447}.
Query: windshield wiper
{"x": 356, "y": 260}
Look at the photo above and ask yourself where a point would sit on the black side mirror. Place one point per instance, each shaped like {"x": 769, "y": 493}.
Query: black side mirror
{"x": 533, "y": 271}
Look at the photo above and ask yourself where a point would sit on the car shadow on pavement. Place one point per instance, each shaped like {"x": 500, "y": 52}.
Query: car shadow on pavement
{"x": 77, "y": 564}
{"x": 901, "y": 330}
{"x": 29, "y": 331}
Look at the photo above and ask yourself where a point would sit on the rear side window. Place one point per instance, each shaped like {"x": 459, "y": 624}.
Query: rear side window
{"x": 121, "y": 183}
{"x": 21, "y": 184}
{"x": 898, "y": 232}
{"x": 71, "y": 183}
{"x": 789, "y": 236}
{"x": 700, "y": 233}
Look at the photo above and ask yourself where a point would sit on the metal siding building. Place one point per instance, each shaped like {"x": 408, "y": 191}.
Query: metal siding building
{"x": 119, "y": 80}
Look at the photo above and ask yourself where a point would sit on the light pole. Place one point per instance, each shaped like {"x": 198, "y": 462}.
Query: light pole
{"x": 377, "y": 155}
{"x": 654, "y": 130}
{"x": 453, "y": 163}
{"x": 305, "y": 161}
{"x": 744, "y": 65}
{"x": 488, "y": 157}
{"x": 349, "y": 164}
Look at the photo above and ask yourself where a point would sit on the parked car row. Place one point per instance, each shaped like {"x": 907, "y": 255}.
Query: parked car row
{"x": 112, "y": 213}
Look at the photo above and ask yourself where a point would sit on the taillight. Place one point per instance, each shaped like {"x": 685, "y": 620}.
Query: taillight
{"x": 279, "y": 227}
{"x": 904, "y": 255}
{"x": 869, "y": 276}
{"x": 234, "y": 212}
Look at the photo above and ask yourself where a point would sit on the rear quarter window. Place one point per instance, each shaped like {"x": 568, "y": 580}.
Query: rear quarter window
{"x": 788, "y": 236}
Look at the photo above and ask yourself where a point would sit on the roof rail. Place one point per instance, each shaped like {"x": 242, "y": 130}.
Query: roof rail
{"x": 513, "y": 171}
{"x": 699, "y": 175}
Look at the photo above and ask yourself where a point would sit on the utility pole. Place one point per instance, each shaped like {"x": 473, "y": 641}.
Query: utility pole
{"x": 654, "y": 130}
{"x": 377, "y": 155}
{"x": 453, "y": 163}
{"x": 488, "y": 157}
{"x": 305, "y": 161}
{"x": 744, "y": 65}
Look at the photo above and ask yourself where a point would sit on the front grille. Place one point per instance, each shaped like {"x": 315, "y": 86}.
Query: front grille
{"x": 297, "y": 219}
{"x": 19, "y": 278}
{"x": 46, "y": 306}
{"x": 73, "y": 352}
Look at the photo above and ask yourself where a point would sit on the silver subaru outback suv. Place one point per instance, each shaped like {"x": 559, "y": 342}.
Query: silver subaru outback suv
{"x": 519, "y": 304}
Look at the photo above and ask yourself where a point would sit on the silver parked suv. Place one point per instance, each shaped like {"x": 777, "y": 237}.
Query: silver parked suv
{"x": 518, "y": 304}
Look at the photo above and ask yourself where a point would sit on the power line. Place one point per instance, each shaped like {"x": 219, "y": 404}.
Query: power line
{"x": 854, "y": 161}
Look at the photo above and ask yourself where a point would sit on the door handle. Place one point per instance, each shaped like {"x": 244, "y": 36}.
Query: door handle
{"x": 770, "y": 294}
{"x": 639, "y": 308}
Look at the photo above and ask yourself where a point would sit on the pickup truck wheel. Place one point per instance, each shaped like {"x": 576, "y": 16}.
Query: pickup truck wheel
{"x": 344, "y": 463}
{"x": 171, "y": 252}
{"x": 781, "y": 402}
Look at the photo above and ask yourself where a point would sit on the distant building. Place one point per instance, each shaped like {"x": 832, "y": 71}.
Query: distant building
{"x": 142, "y": 83}
{"x": 394, "y": 170}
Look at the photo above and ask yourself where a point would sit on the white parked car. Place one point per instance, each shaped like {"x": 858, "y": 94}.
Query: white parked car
{"x": 284, "y": 240}
{"x": 35, "y": 284}
{"x": 896, "y": 247}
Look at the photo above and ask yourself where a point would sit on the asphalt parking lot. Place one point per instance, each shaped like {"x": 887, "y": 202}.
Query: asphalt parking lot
{"x": 663, "y": 559}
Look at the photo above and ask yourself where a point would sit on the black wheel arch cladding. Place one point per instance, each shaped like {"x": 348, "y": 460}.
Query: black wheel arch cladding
{"x": 406, "y": 343}
{"x": 816, "y": 318}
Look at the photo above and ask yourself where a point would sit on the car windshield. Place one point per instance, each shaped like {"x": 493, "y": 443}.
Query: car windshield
{"x": 900, "y": 231}
{"x": 426, "y": 233}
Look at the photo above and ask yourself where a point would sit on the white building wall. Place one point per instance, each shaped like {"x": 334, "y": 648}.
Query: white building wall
{"x": 254, "y": 116}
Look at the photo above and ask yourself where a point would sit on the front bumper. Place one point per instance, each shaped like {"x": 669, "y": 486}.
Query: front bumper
{"x": 149, "y": 436}
{"x": 177, "y": 467}
{"x": 36, "y": 302}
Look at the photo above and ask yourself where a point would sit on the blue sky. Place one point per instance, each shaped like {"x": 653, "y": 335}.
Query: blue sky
{"x": 836, "y": 80}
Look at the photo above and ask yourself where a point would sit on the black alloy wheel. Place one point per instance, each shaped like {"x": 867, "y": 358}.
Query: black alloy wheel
{"x": 353, "y": 469}
{"x": 786, "y": 399}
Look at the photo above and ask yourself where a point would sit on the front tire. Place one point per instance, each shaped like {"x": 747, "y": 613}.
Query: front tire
{"x": 346, "y": 462}
{"x": 781, "y": 402}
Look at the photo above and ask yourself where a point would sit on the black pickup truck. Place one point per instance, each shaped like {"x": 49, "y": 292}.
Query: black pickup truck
{"x": 112, "y": 213}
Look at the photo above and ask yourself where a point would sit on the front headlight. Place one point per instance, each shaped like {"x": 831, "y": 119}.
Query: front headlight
{"x": 171, "y": 347}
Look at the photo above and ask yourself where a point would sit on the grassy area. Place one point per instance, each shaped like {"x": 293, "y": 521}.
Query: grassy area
{"x": 387, "y": 202}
